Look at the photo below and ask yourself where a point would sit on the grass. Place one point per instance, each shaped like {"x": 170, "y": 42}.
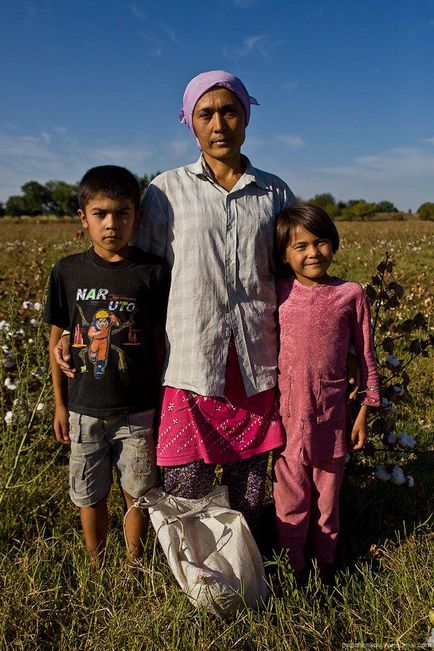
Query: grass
{"x": 51, "y": 597}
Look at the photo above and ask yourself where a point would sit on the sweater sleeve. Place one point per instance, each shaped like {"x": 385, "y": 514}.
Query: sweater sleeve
{"x": 364, "y": 344}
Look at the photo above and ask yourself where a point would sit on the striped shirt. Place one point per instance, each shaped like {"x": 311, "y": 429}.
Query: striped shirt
{"x": 219, "y": 247}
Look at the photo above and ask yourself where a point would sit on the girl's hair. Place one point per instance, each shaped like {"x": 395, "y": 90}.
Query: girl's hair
{"x": 313, "y": 219}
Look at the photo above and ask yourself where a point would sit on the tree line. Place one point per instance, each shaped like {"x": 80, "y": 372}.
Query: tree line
{"x": 60, "y": 198}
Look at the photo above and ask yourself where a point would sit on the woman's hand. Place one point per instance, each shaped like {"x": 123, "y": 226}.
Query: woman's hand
{"x": 62, "y": 356}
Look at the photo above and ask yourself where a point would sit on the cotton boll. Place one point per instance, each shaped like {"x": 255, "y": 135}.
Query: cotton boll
{"x": 10, "y": 385}
{"x": 406, "y": 441}
{"x": 40, "y": 406}
{"x": 391, "y": 438}
{"x": 398, "y": 476}
{"x": 393, "y": 361}
{"x": 398, "y": 389}
{"x": 37, "y": 307}
{"x": 8, "y": 417}
{"x": 4, "y": 325}
{"x": 34, "y": 323}
{"x": 28, "y": 305}
{"x": 386, "y": 404}
{"x": 430, "y": 640}
{"x": 409, "y": 481}
{"x": 381, "y": 473}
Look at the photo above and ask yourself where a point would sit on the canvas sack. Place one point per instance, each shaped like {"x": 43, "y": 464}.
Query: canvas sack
{"x": 209, "y": 548}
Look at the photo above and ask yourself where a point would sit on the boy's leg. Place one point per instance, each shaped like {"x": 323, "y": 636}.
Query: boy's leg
{"x": 136, "y": 527}
{"x": 90, "y": 477}
{"x": 327, "y": 482}
{"x": 133, "y": 454}
{"x": 94, "y": 522}
{"x": 292, "y": 493}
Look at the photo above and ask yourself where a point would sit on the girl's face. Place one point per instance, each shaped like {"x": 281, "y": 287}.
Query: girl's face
{"x": 309, "y": 256}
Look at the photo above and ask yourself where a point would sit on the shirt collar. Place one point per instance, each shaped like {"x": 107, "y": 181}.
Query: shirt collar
{"x": 251, "y": 174}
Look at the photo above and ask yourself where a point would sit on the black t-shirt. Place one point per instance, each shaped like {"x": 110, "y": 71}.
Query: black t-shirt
{"x": 111, "y": 310}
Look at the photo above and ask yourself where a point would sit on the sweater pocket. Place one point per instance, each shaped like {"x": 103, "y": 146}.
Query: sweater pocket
{"x": 331, "y": 400}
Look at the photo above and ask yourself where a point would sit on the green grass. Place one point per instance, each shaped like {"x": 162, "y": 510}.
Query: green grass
{"x": 51, "y": 597}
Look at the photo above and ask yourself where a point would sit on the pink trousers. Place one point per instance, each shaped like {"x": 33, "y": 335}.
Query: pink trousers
{"x": 307, "y": 507}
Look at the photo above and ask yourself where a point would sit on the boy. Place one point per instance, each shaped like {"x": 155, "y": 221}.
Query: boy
{"x": 112, "y": 299}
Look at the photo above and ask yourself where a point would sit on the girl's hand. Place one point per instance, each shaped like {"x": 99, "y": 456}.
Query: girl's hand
{"x": 353, "y": 373}
{"x": 359, "y": 432}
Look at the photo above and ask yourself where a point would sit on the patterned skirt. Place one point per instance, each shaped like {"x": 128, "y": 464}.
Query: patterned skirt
{"x": 218, "y": 429}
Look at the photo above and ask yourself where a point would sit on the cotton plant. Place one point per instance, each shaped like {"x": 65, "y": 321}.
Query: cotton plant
{"x": 398, "y": 343}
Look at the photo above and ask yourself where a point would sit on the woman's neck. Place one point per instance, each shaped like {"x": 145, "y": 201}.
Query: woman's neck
{"x": 226, "y": 172}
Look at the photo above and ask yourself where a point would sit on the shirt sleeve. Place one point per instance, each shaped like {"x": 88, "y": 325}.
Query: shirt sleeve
{"x": 56, "y": 310}
{"x": 364, "y": 344}
{"x": 152, "y": 232}
{"x": 160, "y": 295}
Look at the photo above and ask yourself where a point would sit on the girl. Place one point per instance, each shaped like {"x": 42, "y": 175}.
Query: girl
{"x": 319, "y": 317}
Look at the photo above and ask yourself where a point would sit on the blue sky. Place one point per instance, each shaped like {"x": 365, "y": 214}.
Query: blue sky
{"x": 346, "y": 89}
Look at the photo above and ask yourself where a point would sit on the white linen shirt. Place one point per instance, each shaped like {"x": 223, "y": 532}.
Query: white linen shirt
{"x": 219, "y": 246}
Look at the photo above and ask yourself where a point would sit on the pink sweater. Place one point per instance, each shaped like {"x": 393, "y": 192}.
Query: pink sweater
{"x": 317, "y": 325}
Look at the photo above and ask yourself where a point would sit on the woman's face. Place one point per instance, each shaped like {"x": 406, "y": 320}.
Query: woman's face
{"x": 219, "y": 124}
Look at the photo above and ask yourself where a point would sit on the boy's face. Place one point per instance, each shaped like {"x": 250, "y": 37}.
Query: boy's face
{"x": 111, "y": 224}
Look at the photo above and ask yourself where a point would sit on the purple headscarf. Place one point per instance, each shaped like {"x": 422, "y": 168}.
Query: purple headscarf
{"x": 202, "y": 83}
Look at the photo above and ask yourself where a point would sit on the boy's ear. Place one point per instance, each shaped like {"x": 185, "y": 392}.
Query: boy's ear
{"x": 83, "y": 219}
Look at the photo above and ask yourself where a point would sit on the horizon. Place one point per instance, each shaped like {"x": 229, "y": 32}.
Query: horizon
{"x": 344, "y": 89}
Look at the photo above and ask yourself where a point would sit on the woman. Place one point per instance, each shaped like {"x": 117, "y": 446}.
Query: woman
{"x": 213, "y": 221}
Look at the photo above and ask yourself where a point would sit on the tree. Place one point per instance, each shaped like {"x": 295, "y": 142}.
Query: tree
{"x": 386, "y": 206}
{"x": 145, "y": 180}
{"x": 36, "y": 198}
{"x": 327, "y": 202}
{"x": 2, "y": 209}
{"x": 323, "y": 200}
{"x": 63, "y": 198}
{"x": 426, "y": 211}
{"x": 363, "y": 209}
{"x": 16, "y": 206}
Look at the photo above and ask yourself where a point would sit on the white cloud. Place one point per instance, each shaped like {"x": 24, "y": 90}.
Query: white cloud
{"x": 56, "y": 155}
{"x": 138, "y": 11}
{"x": 397, "y": 164}
{"x": 430, "y": 141}
{"x": 289, "y": 85}
{"x": 401, "y": 175}
{"x": 260, "y": 44}
{"x": 245, "y": 4}
{"x": 291, "y": 141}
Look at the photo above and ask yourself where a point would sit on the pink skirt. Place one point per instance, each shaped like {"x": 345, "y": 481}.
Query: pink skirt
{"x": 218, "y": 429}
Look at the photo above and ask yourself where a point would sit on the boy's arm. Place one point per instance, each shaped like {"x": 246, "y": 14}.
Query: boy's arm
{"x": 359, "y": 432}
{"x": 61, "y": 416}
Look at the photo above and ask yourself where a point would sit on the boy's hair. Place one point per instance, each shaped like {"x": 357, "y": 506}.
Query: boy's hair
{"x": 111, "y": 181}
{"x": 313, "y": 219}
